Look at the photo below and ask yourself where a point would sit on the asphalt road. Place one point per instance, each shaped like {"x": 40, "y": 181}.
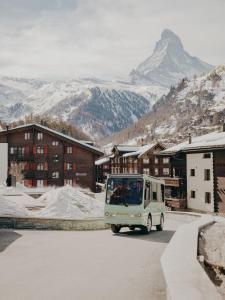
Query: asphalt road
{"x": 95, "y": 265}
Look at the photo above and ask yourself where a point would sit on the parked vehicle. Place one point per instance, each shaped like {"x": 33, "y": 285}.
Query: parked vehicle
{"x": 134, "y": 201}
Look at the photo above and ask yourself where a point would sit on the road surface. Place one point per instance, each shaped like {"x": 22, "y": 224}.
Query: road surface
{"x": 96, "y": 265}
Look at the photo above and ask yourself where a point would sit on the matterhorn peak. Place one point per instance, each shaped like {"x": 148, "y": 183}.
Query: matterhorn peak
{"x": 169, "y": 63}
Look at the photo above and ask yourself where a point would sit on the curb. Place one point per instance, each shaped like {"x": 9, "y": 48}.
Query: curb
{"x": 52, "y": 224}
{"x": 185, "y": 277}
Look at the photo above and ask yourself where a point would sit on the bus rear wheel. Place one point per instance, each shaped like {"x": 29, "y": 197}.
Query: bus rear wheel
{"x": 146, "y": 229}
{"x": 160, "y": 226}
{"x": 115, "y": 228}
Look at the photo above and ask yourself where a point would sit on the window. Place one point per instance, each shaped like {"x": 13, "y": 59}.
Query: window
{"x": 27, "y": 136}
{"x": 207, "y": 155}
{"x": 156, "y": 160}
{"x": 147, "y": 194}
{"x": 69, "y": 166}
{"x": 55, "y": 175}
{"x": 146, "y": 160}
{"x": 192, "y": 194}
{"x": 154, "y": 191}
{"x": 68, "y": 182}
{"x": 55, "y": 158}
{"x": 192, "y": 172}
{"x": 69, "y": 150}
{"x": 13, "y": 150}
{"x": 146, "y": 171}
{"x": 40, "y": 166}
{"x": 166, "y": 171}
{"x": 20, "y": 151}
{"x": 40, "y": 150}
{"x": 166, "y": 160}
{"x": 55, "y": 143}
{"x": 156, "y": 171}
{"x": 207, "y": 174}
{"x": 40, "y": 136}
{"x": 207, "y": 197}
{"x": 40, "y": 183}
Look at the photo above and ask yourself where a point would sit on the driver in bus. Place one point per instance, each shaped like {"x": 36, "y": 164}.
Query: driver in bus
{"x": 120, "y": 193}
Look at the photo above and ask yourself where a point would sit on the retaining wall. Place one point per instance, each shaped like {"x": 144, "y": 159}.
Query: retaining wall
{"x": 52, "y": 224}
{"x": 185, "y": 277}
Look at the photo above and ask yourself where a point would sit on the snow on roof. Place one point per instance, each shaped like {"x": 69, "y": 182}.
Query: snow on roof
{"x": 60, "y": 134}
{"x": 102, "y": 160}
{"x": 127, "y": 148}
{"x": 141, "y": 150}
{"x": 207, "y": 141}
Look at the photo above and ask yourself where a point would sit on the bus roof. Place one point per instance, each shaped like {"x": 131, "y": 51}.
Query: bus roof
{"x": 144, "y": 176}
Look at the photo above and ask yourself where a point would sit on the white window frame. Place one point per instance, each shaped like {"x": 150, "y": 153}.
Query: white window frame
{"x": 55, "y": 143}
{"x": 27, "y": 136}
{"x": 166, "y": 160}
{"x": 40, "y": 182}
{"x": 55, "y": 175}
{"x": 40, "y": 136}
{"x": 69, "y": 149}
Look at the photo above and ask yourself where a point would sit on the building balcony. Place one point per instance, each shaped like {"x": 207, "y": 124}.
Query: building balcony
{"x": 175, "y": 182}
{"x": 18, "y": 157}
{"x": 176, "y": 203}
{"x": 36, "y": 174}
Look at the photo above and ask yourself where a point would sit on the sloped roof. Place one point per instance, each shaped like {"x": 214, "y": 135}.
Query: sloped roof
{"x": 59, "y": 134}
{"x": 142, "y": 150}
{"x": 103, "y": 160}
{"x": 213, "y": 140}
{"x": 127, "y": 148}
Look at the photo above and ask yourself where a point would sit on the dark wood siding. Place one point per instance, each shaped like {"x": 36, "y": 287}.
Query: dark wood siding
{"x": 219, "y": 180}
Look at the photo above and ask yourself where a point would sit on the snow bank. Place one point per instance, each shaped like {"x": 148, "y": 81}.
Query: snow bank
{"x": 17, "y": 196}
{"x": 69, "y": 203}
{"x": 12, "y": 208}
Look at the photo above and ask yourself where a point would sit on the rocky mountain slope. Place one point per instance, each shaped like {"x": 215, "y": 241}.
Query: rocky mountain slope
{"x": 196, "y": 106}
{"x": 169, "y": 63}
{"x": 101, "y": 108}
{"x": 97, "y": 107}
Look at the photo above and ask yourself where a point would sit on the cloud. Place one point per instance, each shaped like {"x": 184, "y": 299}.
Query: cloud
{"x": 103, "y": 38}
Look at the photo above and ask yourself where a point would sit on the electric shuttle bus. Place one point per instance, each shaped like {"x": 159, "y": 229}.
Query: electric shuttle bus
{"x": 134, "y": 201}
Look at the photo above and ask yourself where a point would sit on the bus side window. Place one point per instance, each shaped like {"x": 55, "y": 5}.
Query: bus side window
{"x": 162, "y": 192}
{"x": 147, "y": 194}
{"x": 154, "y": 191}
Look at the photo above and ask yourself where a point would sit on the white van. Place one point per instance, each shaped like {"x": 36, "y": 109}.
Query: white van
{"x": 134, "y": 201}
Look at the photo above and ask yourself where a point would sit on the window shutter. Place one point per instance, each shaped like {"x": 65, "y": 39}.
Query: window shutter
{"x": 74, "y": 167}
{"x": 45, "y": 182}
{"x": 65, "y": 167}
{"x": 45, "y": 149}
{"x": 27, "y": 150}
{"x": 46, "y": 166}
{"x": 34, "y": 150}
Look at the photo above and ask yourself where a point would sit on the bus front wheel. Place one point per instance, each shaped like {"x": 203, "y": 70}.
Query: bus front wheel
{"x": 147, "y": 228}
{"x": 160, "y": 226}
{"x": 115, "y": 228}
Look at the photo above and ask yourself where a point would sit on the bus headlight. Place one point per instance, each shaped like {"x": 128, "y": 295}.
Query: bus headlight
{"x": 138, "y": 215}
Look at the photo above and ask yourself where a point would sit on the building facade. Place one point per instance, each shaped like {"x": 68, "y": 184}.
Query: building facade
{"x": 46, "y": 157}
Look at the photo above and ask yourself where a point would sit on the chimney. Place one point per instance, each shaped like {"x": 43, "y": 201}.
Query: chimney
{"x": 189, "y": 138}
{"x": 7, "y": 127}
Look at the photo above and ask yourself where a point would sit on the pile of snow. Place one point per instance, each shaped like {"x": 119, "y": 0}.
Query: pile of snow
{"x": 213, "y": 249}
{"x": 69, "y": 203}
{"x": 12, "y": 208}
{"x": 17, "y": 196}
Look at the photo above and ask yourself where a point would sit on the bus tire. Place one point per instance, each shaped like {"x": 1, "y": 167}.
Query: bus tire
{"x": 147, "y": 228}
{"x": 115, "y": 228}
{"x": 160, "y": 226}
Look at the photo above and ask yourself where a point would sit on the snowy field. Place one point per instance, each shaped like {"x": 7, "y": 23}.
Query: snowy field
{"x": 63, "y": 203}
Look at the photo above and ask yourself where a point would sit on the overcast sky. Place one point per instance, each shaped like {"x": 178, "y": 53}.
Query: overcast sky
{"x": 57, "y": 39}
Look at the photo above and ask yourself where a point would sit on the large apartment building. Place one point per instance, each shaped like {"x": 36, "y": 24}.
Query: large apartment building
{"x": 49, "y": 158}
{"x": 202, "y": 161}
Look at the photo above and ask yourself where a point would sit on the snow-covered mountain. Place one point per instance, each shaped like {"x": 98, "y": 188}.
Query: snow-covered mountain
{"x": 97, "y": 107}
{"x": 196, "y": 106}
{"x": 169, "y": 63}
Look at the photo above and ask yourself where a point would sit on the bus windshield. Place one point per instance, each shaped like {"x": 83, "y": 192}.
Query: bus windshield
{"x": 124, "y": 191}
